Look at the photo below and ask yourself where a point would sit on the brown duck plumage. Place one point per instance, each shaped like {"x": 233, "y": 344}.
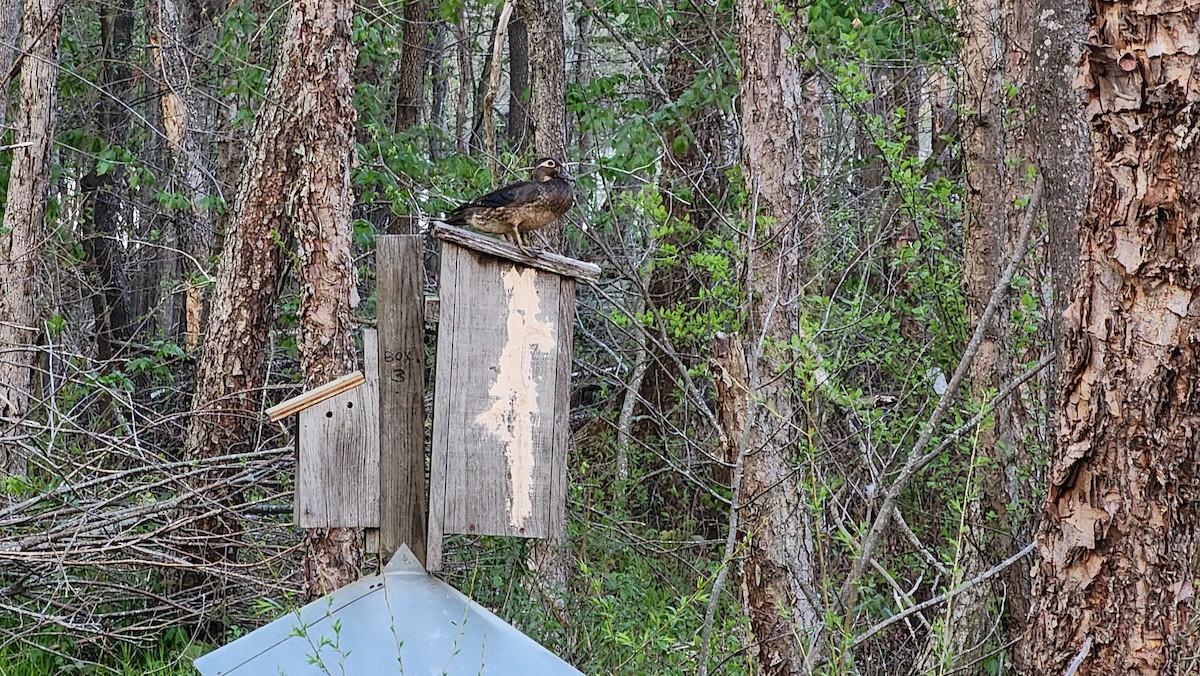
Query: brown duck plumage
{"x": 520, "y": 207}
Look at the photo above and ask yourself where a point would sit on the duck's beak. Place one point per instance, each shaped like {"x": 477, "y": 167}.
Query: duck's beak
{"x": 565, "y": 175}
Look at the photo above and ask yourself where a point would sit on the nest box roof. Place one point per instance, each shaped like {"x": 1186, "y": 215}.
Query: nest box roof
{"x": 404, "y": 621}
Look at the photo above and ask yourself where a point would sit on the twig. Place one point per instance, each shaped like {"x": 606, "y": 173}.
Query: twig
{"x": 987, "y": 409}
{"x": 918, "y": 545}
{"x": 633, "y": 388}
{"x": 951, "y": 593}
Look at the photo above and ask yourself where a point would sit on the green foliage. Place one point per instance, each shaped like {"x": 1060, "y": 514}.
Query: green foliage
{"x": 882, "y": 32}
{"x": 60, "y": 653}
{"x": 632, "y": 612}
{"x": 243, "y": 35}
{"x": 15, "y": 486}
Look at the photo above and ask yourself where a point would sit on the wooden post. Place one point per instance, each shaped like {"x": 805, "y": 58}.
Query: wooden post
{"x": 400, "y": 307}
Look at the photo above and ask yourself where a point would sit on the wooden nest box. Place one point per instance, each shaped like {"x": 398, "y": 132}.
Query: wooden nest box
{"x": 500, "y": 410}
{"x": 501, "y": 390}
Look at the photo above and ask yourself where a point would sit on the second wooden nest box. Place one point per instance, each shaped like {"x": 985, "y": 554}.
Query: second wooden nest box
{"x": 501, "y": 390}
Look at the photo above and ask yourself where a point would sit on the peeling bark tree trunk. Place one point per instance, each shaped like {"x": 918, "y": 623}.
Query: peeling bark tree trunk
{"x": 320, "y": 208}
{"x": 301, "y": 145}
{"x": 1121, "y": 530}
{"x": 778, "y": 144}
{"x": 20, "y": 235}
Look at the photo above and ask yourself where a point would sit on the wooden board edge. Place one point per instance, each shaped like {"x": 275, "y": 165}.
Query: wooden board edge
{"x": 447, "y": 279}
{"x": 545, "y": 260}
{"x": 557, "y": 518}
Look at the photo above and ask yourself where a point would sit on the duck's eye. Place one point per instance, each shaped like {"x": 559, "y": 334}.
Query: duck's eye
{"x": 549, "y": 164}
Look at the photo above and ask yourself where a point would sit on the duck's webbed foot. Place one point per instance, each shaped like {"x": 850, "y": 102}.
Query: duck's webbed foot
{"x": 516, "y": 236}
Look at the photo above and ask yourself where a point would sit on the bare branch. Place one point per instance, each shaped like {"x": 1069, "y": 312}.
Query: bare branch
{"x": 951, "y": 593}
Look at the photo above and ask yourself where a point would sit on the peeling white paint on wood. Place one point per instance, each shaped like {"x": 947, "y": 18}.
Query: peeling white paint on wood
{"x": 514, "y": 397}
{"x": 502, "y": 387}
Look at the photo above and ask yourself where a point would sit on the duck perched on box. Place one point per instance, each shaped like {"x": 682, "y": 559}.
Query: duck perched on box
{"x": 520, "y": 207}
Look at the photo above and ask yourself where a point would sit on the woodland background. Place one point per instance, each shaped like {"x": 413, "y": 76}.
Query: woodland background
{"x": 820, "y": 424}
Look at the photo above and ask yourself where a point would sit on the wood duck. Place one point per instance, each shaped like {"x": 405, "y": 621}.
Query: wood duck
{"x": 520, "y": 207}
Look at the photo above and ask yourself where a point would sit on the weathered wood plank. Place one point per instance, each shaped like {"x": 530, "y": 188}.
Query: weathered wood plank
{"x": 371, "y": 540}
{"x": 545, "y": 260}
{"x": 400, "y": 308}
{"x": 337, "y": 477}
{"x": 445, "y": 361}
{"x": 495, "y": 407}
{"x": 471, "y": 467}
{"x": 562, "y": 405}
{"x": 315, "y": 396}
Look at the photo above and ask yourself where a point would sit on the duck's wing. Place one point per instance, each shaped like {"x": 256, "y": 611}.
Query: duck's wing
{"x": 505, "y": 196}
{"x": 513, "y": 194}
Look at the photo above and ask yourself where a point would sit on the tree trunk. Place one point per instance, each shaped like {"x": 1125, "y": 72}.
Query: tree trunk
{"x": 410, "y": 84}
{"x": 293, "y": 179}
{"x": 583, "y": 71}
{"x": 1119, "y": 537}
{"x": 778, "y": 151}
{"x": 1058, "y": 39}
{"x": 321, "y": 216}
{"x": 439, "y": 90}
{"x": 999, "y": 136}
{"x": 463, "y": 45}
{"x": 234, "y": 147}
{"x": 517, "y": 127}
{"x": 111, "y": 303}
{"x": 10, "y": 33}
{"x": 21, "y": 233}
{"x": 410, "y": 94}
{"x": 481, "y": 105}
{"x": 547, "y": 106}
{"x": 995, "y": 158}
{"x": 548, "y": 559}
